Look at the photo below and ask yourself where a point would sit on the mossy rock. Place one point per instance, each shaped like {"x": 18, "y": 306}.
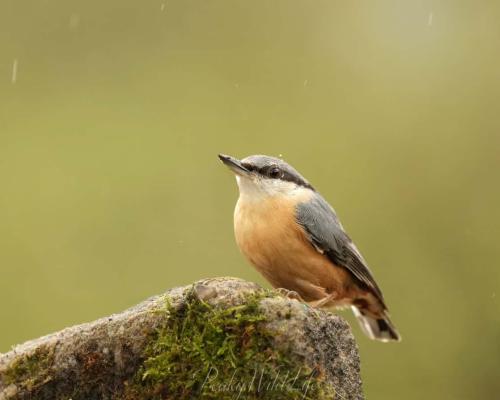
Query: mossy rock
{"x": 220, "y": 338}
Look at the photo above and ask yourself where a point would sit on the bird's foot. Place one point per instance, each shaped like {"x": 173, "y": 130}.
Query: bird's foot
{"x": 324, "y": 301}
{"x": 290, "y": 294}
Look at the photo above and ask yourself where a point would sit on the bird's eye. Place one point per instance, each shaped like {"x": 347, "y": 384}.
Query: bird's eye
{"x": 275, "y": 173}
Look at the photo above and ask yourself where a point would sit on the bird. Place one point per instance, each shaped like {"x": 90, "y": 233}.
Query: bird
{"x": 293, "y": 237}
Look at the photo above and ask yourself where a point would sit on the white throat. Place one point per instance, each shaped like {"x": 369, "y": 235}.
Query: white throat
{"x": 256, "y": 189}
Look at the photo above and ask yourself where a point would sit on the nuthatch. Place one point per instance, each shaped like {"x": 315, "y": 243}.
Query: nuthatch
{"x": 293, "y": 237}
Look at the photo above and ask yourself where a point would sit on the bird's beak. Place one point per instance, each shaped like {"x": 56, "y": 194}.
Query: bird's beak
{"x": 235, "y": 165}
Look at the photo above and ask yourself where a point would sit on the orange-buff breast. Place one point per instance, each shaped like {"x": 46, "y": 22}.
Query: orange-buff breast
{"x": 269, "y": 236}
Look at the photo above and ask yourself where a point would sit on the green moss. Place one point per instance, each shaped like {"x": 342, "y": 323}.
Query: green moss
{"x": 30, "y": 371}
{"x": 209, "y": 352}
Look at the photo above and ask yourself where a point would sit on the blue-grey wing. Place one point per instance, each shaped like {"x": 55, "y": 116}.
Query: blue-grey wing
{"x": 328, "y": 236}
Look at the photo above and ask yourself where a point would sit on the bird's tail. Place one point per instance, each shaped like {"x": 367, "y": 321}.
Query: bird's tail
{"x": 377, "y": 328}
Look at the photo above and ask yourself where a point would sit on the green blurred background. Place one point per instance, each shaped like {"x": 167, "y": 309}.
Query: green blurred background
{"x": 112, "y": 114}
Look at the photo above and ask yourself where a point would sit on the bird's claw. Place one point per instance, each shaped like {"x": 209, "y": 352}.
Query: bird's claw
{"x": 324, "y": 301}
{"x": 290, "y": 294}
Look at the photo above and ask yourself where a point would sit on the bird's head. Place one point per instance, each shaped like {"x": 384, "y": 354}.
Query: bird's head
{"x": 261, "y": 176}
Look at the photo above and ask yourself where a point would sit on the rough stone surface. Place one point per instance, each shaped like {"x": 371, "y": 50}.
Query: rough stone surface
{"x": 98, "y": 359}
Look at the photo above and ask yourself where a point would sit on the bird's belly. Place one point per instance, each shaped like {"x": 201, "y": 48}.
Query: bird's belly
{"x": 269, "y": 236}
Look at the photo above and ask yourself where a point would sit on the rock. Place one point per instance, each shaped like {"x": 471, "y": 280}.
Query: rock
{"x": 221, "y": 338}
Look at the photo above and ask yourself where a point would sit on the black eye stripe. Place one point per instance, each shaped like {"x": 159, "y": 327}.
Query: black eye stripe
{"x": 284, "y": 175}
{"x": 265, "y": 170}
{"x": 250, "y": 167}
{"x": 297, "y": 180}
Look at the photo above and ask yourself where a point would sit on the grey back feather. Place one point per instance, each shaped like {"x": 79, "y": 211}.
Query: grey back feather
{"x": 328, "y": 236}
